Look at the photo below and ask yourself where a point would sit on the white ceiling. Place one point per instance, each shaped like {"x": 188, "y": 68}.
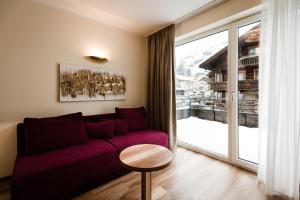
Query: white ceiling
{"x": 138, "y": 16}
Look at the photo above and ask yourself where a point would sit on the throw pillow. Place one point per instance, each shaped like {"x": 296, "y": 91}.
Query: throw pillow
{"x": 43, "y": 134}
{"x": 120, "y": 126}
{"x": 103, "y": 129}
{"x": 137, "y": 117}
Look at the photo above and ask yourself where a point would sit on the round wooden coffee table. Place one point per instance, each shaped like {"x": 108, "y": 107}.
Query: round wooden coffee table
{"x": 146, "y": 158}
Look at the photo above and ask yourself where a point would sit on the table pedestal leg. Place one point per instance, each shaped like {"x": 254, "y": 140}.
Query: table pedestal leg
{"x": 146, "y": 185}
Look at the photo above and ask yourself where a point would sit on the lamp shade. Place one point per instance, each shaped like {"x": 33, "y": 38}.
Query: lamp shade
{"x": 96, "y": 59}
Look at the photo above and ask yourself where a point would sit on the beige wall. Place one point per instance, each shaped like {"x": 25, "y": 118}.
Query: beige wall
{"x": 33, "y": 40}
{"x": 227, "y": 9}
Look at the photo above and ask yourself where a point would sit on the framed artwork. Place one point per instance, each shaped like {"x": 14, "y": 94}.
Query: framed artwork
{"x": 82, "y": 83}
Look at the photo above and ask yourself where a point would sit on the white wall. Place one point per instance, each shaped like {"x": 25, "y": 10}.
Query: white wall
{"x": 33, "y": 40}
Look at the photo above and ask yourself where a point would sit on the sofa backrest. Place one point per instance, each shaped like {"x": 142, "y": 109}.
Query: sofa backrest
{"x": 21, "y": 142}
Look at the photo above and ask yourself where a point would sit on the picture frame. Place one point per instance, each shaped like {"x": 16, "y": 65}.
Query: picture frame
{"x": 87, "y": 83}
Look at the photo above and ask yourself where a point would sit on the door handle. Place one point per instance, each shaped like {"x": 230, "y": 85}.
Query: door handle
{"x": 232, "y": 96}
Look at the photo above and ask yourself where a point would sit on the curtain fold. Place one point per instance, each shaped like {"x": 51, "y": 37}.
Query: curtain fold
{"x": 161, "y": 96}
{"x": 279, "y": 112}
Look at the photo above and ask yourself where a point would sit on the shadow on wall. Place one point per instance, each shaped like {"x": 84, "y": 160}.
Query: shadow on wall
{"x": 8, "y": 147}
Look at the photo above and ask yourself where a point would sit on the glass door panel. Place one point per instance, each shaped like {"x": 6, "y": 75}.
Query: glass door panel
{"x": 201, "y": 93}
{"x": 247, "y": 77}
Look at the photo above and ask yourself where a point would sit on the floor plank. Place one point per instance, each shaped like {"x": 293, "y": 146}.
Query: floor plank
{"x": 191, "y": 176}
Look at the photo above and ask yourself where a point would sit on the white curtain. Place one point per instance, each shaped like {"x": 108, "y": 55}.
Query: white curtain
{"x": 279, "y": 114}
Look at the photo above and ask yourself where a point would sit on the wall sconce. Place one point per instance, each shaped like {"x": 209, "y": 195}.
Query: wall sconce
{"x": 96, "y": 59}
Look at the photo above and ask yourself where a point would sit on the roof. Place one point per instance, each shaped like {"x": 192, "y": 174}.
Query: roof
{"x": 205, "y": 64}
{"x": 208, "y": 60}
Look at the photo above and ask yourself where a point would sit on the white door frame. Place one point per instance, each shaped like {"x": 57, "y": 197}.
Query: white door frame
{"x": 232, "y": 89}
{"x": 233, "y": 63}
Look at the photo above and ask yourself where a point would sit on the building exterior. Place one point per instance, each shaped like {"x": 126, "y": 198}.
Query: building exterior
{"x": 248, "y": 71}
{"x": 184, "y": 90}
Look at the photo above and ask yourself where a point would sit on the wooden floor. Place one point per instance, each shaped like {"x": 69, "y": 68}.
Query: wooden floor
{"x": 191, "y": 176}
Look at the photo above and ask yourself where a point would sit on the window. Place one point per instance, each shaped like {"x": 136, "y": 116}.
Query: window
{"x": 209, "y": 72}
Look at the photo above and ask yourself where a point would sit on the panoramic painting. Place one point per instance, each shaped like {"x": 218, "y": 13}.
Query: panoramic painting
{"x": 79, "y": 83}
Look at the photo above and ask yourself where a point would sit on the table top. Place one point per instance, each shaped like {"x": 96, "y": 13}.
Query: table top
{"x": 146, "y": 157}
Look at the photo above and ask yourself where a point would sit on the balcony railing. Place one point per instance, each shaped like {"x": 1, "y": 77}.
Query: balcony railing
{"x": 249, "y": 60}
{"x": 248, "y": 106}
{"x": 250, "y": 84}
{"x": 215, "y": 104}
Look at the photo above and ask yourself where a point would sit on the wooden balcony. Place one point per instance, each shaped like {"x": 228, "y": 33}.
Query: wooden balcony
{"x": 248, "y": 85}
{"x": 243, "y": 85}
{"x": 219, "y": 86}
{"x": 249, "y": 60}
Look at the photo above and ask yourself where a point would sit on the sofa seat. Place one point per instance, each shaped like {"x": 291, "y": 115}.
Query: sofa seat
{"x": 61, "y": 172}
{"x": 147, "y": 136}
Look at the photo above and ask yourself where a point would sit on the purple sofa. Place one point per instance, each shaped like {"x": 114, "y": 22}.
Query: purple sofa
{"x": 65, "y": 172}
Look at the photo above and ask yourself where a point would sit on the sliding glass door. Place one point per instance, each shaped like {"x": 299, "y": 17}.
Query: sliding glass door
{"x": 248, "y": 72}
{"x": 217, "y": 92}
{"x": 201, "y": 93}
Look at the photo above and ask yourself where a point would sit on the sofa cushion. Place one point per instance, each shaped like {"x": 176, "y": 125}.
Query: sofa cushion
{"x": 55, "y": 132}
{"x": 137, "y": 117}
{"x": 97, "y": 118}
{"x": 103, "y": 129}
{"x": 147, "y": 136}
{"x": 63, "y": 171}
{"x": 120, "y": 126}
